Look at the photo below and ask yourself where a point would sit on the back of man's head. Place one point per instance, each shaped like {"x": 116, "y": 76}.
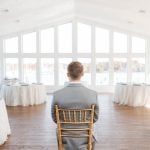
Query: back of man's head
{"x": 75, "y": 70}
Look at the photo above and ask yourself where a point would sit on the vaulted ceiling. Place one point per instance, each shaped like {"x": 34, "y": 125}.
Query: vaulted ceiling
{"x": 18, "y": 15}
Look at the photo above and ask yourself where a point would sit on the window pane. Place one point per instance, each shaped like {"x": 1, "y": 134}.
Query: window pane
{"x": 47, "y": 71}
{"x": 138, "y": 70}
{"x": 87, "y": 70}
{"x": 102, "y": 40}
{"x": 47, "y": 40}
{"x": 11, "y": 45}
{"x": 102, "y": 71}
{"x": 29, "y": 70}
{"x": 120, "y": 43}
{"x": 29, "y": 43}
{"x": 138, "y": 45}
{"x": 65, "y": 38}
{"x": 63, "y": 63}
{"x": 84, "y": 38}
{"x": 11, "y": 68}
{"x": 120, "y": 70}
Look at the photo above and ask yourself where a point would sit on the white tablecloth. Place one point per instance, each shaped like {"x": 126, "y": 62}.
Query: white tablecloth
{"x": 4, "y": 124}
{"x": 132, "y": 94}
{"x": 15, "y": 95}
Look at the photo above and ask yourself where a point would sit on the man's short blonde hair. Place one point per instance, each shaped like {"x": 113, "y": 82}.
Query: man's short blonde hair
{"x": 75, "y": 70}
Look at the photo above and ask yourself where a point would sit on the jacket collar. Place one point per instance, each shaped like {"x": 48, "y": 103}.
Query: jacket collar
{"x": 71, "y": 84}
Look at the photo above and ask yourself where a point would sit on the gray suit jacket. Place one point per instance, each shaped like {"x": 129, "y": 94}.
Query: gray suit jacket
{"x": 75, "y": 96}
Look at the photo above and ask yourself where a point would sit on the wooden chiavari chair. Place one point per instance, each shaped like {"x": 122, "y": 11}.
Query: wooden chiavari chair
{"x": 75, "y": 117}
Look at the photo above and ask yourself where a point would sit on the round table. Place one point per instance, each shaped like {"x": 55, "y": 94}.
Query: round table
{"x": 24, "y": 95}
{"x": 132, "y": 94}
{"x": 4, "y": 123}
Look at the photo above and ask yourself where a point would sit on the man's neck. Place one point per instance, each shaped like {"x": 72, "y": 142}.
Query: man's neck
{"x": 75, "y": 81}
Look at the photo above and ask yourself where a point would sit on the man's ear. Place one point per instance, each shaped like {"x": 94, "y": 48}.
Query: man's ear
{"x": 68, "y": 75}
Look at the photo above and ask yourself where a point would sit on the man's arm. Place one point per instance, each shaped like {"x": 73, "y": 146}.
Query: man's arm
{"x": 96, "y": 112}
{"x": 53, "y": 112}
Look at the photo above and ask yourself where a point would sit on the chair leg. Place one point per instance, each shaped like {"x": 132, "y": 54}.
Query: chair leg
{"x": 90, "y": 146}
{"x": 90, "y": 142}
{"x": 60, "y": 146}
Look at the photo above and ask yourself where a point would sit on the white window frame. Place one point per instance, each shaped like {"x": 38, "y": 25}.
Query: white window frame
{"x": 75, "y": 55}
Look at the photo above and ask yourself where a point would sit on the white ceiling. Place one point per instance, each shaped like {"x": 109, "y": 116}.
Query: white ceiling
{"x": 25, "y": 14}
{"x": 17, "y": 15}
{"x": 126, "y": 14}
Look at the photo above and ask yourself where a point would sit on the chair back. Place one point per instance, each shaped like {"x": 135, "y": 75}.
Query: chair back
{"x": 78, "y": 120}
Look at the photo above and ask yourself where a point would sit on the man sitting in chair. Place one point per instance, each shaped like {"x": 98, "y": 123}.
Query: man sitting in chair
{"x": 75, "y": 96}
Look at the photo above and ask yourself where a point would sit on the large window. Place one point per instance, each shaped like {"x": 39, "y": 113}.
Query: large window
{"x": 102, "y": 71}
{"x": 63, "y": 63}
{"x": 11, "y": 45}
{"x": 138, "y": 45}
{"x": 29, "y": 70}
{"x": 120, "y": 70}
{"x": 29, "y": 43}
{"x": 11, "y": 68}
{"x": 120, "y": 42}
{"x": 138, "y": 70}
{"x": 65, "y": 38}
{"x": 83, "y": 38}
{"x": 47, "y": 40}
{"x": 108, "y": 56}
{"x": 102, "y": 40}
{"x": 47, "y": 71}
{"x": 138, "y": 64}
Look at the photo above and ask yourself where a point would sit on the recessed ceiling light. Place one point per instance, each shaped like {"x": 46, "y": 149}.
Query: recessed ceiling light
{"x": 4, "y": 10}
{"x": 142, "y": 11}
{"x": 17, "y": 21}
{"x": 130, "y": 22}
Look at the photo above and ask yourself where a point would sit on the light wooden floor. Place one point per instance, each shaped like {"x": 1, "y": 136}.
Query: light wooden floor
{"x": 119, "y": 127}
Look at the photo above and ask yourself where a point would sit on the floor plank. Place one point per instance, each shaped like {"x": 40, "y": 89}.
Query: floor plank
{"x": 119, "y": 127}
